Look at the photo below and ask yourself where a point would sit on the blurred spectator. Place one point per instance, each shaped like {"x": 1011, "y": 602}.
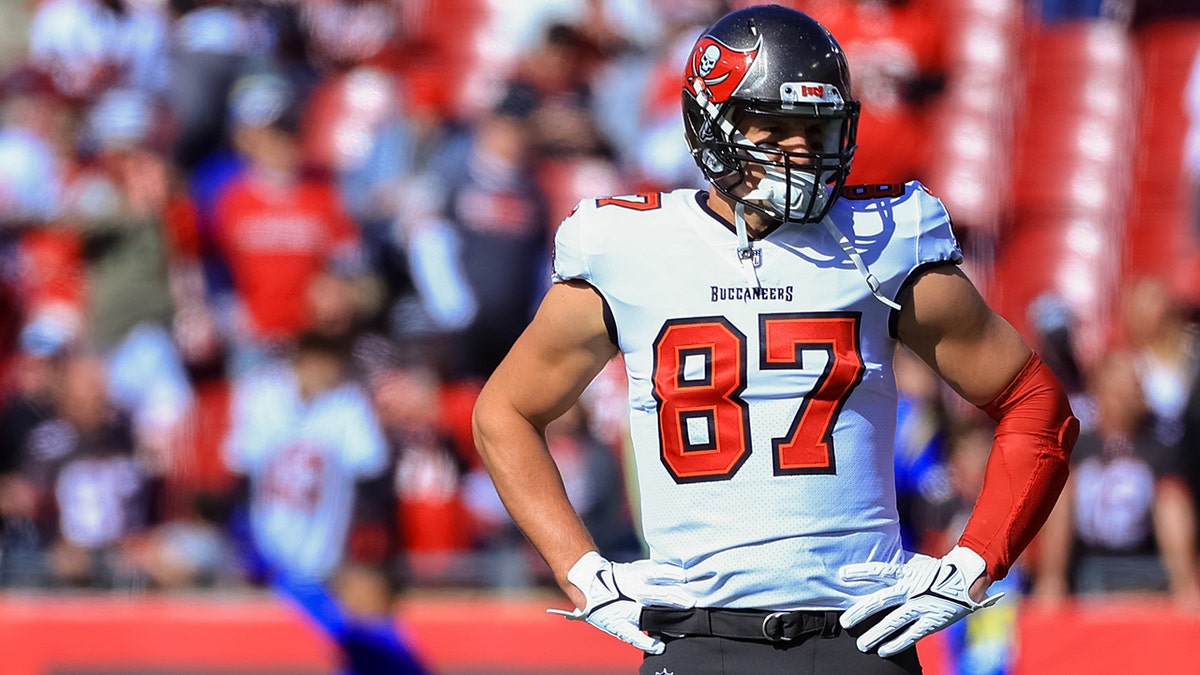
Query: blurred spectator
{"x": 117, "y": 204}
{"x": 920, "y": 431}
{"x": 278, "y": 229}
{"x": 479, "y": 258}
{"x": 637, "y": 94}
{"x": 592, "y": 473}
{"x": 1125, "y": 521}
{"x": 211, "y": 41}
{"x": 1189, "y": 443}
{"x": 304, "y": 434}
{"x": 39, "y": 263}
{"x": 87, "y": 46}
{"x": 34, "y": 442}
{"x": 941, "y": 515}
{"x": 346, "y": 33}
{"x": 571, "y": 155}
{"x": 358, "y": 130}
{"x": 101, "y": 489}
{"x": 30, "y": 173}
{"x": 984, "y": 643}
{"x": 426, "y": 473}
{"x": 554, "y": 76}
{"x": 1054, "y": 325}
{"x": 1167, "y": 350}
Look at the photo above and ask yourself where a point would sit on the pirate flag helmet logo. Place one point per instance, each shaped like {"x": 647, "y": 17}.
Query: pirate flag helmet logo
{"x": 717, "y": 69}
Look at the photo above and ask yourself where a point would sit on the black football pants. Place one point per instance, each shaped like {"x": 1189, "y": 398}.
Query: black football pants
{"x": 812, "y": 655}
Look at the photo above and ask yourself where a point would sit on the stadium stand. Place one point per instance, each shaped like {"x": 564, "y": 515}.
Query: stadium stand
{"x": 974, "y": 117}
{"x": 1070, "y": 181}
{"x": 1159, "y": 239}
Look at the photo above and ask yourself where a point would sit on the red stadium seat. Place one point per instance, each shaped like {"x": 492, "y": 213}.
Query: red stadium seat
{"x": 1160, "y": 238}
{"x": 1070, "y": 175}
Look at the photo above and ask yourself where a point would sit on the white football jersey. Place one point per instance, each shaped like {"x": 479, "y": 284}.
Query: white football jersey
{"x": 303, "y": 459}
{"x": 763, "y": 402}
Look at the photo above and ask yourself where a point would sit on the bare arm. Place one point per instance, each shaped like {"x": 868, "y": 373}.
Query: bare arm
{"x": 946, "y": 323}
{"x": 560, "y": 352}
{"x": 1175, "y": 530}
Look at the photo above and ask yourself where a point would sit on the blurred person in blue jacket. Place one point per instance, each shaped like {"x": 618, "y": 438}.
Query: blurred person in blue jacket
{"x": 358, "y": 617}
{"x": 478, "y": 236}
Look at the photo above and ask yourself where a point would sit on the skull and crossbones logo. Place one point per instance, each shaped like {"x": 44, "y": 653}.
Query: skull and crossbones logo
{"x": 709, "y": 59}
{"x": 716, "y": 69}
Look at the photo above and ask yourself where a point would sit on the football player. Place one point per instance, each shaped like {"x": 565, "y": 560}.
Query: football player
{"x": 758, "y": 321}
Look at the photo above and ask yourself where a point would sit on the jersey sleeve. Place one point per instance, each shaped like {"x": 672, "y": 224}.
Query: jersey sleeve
{"x": 364, "y": 446}
{"x": 247, "y": 445}
{"x": 570, "y": 261}
{"x": 935, "y": 239}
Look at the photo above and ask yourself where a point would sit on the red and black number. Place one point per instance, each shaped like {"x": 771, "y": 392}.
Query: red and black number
{"x": 807, "y": 447}
{"x": 699, "y": 375}
{"x": 647, "y": 201}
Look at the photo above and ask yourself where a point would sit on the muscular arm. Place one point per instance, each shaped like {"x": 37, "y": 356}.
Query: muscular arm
{"x": 1175, "y": 531}
{"x": 947, "y": 323}
{"x": 560, "y": 352}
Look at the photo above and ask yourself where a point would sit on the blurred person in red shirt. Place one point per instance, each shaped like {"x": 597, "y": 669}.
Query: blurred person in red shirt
{"x": 279, "y": 230}
{"x": 426, "y": 471}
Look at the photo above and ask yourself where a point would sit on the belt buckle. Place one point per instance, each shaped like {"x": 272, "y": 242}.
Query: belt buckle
{"x": 772, "y": 627}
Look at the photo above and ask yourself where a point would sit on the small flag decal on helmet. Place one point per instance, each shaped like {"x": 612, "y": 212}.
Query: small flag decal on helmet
{"x": 809, "y": 92}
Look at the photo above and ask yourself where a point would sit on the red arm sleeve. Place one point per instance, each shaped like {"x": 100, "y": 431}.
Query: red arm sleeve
{"x": 1027, "y": 467}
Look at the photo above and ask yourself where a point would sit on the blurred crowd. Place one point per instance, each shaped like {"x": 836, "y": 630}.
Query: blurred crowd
{"x": 257, "y": 257}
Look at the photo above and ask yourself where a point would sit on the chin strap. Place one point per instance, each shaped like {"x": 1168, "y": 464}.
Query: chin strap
{"x": 748, "y": 257}
{"x": 856, "y": 258}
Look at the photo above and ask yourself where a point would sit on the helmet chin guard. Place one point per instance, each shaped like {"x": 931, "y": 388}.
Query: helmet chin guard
{"x": 772, "y": 62}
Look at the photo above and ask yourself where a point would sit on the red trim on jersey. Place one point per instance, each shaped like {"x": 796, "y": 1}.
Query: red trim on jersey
{"x": 1027, "y": 468}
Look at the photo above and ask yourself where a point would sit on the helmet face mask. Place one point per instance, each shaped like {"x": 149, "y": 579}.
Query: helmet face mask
{"x": 760, "y": 64}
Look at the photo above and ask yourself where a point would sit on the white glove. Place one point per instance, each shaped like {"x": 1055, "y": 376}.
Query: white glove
{"x": 616, "y": 592}
{"x": 932, "y": 594}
